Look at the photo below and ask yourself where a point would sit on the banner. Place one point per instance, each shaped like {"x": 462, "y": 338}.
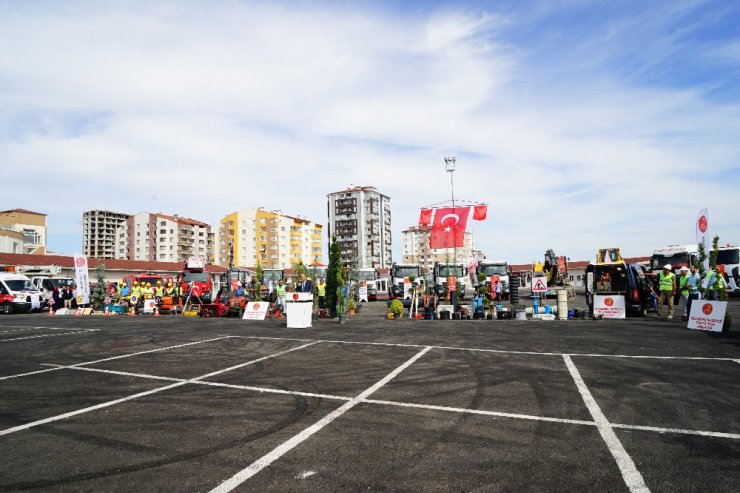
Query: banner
{"x": 81, "y": 278}
{"x": 707, "y": 315}
{"x": 255, "y": 311}
{"x": 406, "y": 288}
{"x": 702, "y": 234}
{"x": 609, "y": 306}
{"x": 362, "y": 291}
{"x": 448, "y": 229}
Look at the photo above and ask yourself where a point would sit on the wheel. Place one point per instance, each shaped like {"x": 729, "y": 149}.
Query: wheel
{"x": 6, "y": 308}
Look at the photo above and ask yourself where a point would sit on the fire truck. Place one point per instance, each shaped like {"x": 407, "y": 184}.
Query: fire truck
{"x": 195, "y": 280}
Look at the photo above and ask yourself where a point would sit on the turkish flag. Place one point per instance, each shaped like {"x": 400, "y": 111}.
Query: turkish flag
{"x": 480, "y": 212}
{"x": 448, "y": 229}
{"x": 425, "y": 218}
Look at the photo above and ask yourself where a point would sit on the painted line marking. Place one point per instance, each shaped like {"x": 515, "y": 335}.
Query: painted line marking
{"x": 713, "y": 434}
{"x": 206, "y": 383}
{"x": 113, "y": 358}
{"x": 431, "y": 407}
{"x": 288, "y": 445}
{"x": 632, "y": 477}
{"x": 481, "y": 412}
{"x": 102, "y": 405}
{"x": 500, "y": 351}
{"x": 39, "y": 336}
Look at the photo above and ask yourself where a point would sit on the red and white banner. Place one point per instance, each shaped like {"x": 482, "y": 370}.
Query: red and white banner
{"x": 448, "y": 228}
{"x": 707, "y": 315}
{"x": 702, "y": 233}
{"x": 609, "y": 306}
{"x": 81, "y": 279}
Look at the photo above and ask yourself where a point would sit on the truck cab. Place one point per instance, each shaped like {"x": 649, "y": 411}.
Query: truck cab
{"x": 441, "y": 272}
{"x": 398, "y": 273}
{"x": 370, "y": 277}
{"x": 728, "y": 260}
{"x": 496, "y": 270}
{"x": 196, "y": 279}
{"x": 676, "y": 255}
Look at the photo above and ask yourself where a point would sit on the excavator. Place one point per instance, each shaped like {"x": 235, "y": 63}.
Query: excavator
{"x": 554, "y": 269}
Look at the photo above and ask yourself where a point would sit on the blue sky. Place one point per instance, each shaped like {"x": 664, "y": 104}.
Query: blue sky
{"x": 582, "y": 124}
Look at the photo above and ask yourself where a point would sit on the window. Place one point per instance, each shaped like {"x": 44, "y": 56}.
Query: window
{"x": 172, "y": 231}
{"x": 163, "y": 223}
{"x": 163, "y": 231}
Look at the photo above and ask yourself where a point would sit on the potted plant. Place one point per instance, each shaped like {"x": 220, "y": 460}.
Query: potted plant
{"x": 351, "y": 306}
{"x": 396, "y": 308}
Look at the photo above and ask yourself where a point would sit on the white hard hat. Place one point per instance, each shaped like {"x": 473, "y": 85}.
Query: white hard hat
{"x": 667, "y": 267}
{"x": 684, "y": 268}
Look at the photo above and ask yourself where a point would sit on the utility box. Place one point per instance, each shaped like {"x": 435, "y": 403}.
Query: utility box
{"x": 298, "y": 309}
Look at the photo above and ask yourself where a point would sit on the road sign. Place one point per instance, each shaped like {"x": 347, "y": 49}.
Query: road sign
{"x": 539, "y": 285}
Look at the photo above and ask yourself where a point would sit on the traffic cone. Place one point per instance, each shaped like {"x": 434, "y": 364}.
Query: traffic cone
{"x": 106, "y": 311}
{"x": 156, "y": 311}
{"x": 51, "y": 311}
{"x": 132, "y": 312}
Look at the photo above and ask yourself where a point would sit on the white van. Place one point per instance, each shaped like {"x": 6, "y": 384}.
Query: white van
{"x": 19, "y": 294}
{"x": 47, "y": 284}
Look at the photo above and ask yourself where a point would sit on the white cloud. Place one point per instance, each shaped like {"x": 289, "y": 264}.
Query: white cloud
{"x": 188, "y": 109}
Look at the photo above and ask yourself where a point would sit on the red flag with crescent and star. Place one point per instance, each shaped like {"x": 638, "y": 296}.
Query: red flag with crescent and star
{"x": 448, "y": 228}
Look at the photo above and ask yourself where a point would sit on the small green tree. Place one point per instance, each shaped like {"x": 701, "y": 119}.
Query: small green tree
{"x": 98, "y": 294}
{"x": 260, "y": 273}
{"x": 298, "y": 269}
{"x": 722, "y": 294}
{"x": 333, "y": 273}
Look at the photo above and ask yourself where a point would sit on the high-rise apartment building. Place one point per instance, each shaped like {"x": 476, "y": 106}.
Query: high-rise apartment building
{"x": 270, "y": 238}
{"x": 162, "y": 238}
{"x": 32, "y": 225}
{"x": 99, "y": 233}
{"x": 360, "y": 218}
{"x": 416, "y": 248}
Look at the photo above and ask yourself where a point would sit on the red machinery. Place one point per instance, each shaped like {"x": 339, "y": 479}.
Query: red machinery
{"x": 195, "y": 280}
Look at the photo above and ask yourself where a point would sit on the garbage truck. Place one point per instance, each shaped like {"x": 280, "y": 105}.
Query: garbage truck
{"x": 398, "y": 273}
{"x": 495, "y": 270}
{"x": 442, "y": 271}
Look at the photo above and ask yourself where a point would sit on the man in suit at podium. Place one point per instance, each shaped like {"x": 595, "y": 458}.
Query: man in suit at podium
{"x": 305, "y": 286}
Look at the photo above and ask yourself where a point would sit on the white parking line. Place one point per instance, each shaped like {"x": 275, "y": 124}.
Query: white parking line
{"x": 287, "y": 446}
{"x": 499, "y": 351}
{"x": 481, "y": 412}
{"x": 712, "y": 434}
{"x": 632, "y": 477}
{"x": 39, "y": 422}
{"x": 39, "y": 336}
{"x": 18, "y": 375}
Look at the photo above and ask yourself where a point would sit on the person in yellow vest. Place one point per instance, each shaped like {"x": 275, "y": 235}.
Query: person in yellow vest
{"x": 136, "y": 290}
{"x": 715, "y": 283}
{"x": 170, "y": 291}
{"x": 281, "y": 291}
{"x": 683, "y": 292}
{"x": 148, "y": 292}
{"x": 666, "y": 289}
{"x": 159, "y": 290}
{"x": 321, "y": 288}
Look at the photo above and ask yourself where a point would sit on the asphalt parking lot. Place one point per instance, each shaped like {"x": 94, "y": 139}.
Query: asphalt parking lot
{"x": 184, "y": 404}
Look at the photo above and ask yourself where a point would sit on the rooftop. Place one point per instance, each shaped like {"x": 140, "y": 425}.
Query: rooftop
{"x": 21, "y": 211}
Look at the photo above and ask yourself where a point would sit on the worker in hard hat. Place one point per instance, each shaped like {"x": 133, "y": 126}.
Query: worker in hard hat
{"x": 159, "y": 290}
{"x": 667, "y": 290}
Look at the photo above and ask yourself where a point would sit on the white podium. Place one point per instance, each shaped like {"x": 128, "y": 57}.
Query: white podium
{"x": 298, "y": 309}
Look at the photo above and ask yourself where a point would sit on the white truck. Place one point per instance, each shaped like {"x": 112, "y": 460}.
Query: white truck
{"x": 728, "y": 258}
{"x": 370, "y": 277}
{"x": 18, "y": 294}
{"x": 398, "y": 273}
{"x": 497, "y": 269}
{"x": 441, "y": 272}
{"x": 676, "y": 255}
{"x": 45, "y": 279}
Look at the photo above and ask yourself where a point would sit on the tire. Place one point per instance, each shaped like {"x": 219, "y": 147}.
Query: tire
{"x": 6, "y": 308}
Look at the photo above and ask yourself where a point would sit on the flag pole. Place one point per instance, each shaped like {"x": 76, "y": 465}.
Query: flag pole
{"x": 450, "y": 168}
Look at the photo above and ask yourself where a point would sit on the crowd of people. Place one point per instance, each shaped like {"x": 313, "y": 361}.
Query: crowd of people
{"x": 667, "y": 289}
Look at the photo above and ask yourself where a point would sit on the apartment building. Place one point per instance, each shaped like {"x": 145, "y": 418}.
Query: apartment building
{"x": 270, "y": 238}
{"x": 162, "y": 238}
{"x": 99, "y": 233}
{"x": 31, "y": 225}
{"x": 360, "y": 217}
{"x": 416, "y": 248}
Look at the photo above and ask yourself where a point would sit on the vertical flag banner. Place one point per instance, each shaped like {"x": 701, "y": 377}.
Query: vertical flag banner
{"x": 480, "y": 212}
{"x": 81, "y": 278}
{"x": 702, "y": 233}
{"x": 425, "y": 218}
{"x": 448, "y": 228}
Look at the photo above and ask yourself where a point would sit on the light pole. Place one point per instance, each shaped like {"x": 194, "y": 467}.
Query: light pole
{"x": 450, "y": 168}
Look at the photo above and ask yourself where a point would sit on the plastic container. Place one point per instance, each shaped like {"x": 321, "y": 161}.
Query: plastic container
{"x": 521, "y": 314}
